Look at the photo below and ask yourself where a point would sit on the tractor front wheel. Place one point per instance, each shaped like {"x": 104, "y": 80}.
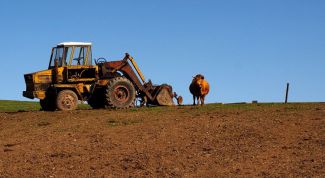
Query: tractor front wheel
{"x": 67, "y": 100}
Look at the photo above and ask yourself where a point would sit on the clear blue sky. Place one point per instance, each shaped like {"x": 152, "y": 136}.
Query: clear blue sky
{"x": 247, "y": 50}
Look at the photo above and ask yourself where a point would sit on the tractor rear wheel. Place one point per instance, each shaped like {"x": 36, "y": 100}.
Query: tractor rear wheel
{"x": 67, "y": 100}
{"x": 120, "y": 93}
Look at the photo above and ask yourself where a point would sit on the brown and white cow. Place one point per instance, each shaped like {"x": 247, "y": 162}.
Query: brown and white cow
{"x": 199, "y": 88}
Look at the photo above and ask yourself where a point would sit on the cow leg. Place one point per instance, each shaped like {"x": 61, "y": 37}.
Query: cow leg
{"x": 202, "y": 100}
{"x": 198, "y": 100}
{"x": 193, "y": 100}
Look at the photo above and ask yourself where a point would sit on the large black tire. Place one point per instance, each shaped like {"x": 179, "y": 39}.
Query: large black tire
{"x": 120, "y": 93}
{"x": 48, "y": 104}
{"x": 97, "y": 99}
{"x": 67, "y": 100}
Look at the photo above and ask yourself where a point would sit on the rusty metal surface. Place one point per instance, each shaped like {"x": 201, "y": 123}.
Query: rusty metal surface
{"x": 127, "y": 70}
{"x": 163, "y": 98}
{"x": 179, "y": 99}
{"x": 121, "y": 93}
{"x": 147, "y": 92}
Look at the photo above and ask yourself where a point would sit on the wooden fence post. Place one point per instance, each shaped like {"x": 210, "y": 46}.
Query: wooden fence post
{"x": 287, "y": 93}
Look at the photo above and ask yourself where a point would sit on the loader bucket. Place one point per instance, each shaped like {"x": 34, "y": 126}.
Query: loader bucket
{"x": 164, "y": 96}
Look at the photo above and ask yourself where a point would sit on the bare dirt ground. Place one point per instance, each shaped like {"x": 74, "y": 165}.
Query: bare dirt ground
{"x": 211, "y": 141}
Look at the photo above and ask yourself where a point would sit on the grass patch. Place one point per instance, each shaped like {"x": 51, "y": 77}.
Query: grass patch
{"x": 17, "y": 106}
{"x": 83, "y": 106}
{"x": 234, "y": 106}
{"x": 14, "y": 106}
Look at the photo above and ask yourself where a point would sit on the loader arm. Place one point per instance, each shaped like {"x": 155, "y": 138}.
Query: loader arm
{"x": 124, "y": 64}
{"x": 125, "y": 67}
{"x": 155, "y": 94}
{"x": 135, "y": 65}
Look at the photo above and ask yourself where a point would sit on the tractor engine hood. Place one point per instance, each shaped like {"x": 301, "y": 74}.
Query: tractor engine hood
{"x": 44, "y": 76}
{"x": 37, "y": 83}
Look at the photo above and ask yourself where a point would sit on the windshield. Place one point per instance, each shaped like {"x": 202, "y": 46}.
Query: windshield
{"x": 70, "y": 56}
{"x": 57, "y": 53}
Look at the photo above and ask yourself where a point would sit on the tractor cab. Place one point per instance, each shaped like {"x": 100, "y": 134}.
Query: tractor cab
{"x": 72, "y": 61}
{"x": 71, "y": 54}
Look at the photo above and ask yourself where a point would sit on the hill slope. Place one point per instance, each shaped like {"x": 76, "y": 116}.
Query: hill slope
{"x": 210, "y": 141}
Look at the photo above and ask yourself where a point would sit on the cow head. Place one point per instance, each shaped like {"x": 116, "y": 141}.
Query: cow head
{"x": 198, "y": 79}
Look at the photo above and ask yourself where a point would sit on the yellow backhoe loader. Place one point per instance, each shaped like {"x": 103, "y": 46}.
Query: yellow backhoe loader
{"x": 71, "y": 76}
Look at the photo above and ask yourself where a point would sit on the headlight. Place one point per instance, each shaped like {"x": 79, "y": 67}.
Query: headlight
{"x": 44, "y": 78}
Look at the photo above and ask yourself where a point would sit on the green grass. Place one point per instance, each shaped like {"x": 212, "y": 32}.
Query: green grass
{"x": 83, "y": 106}
{"x": 16, "y": 106}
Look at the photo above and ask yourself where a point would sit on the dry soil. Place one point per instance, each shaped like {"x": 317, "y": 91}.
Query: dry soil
{"x": 211, "y": 141}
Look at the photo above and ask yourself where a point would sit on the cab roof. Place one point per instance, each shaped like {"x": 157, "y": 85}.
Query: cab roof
{"x": 74, "y": 44}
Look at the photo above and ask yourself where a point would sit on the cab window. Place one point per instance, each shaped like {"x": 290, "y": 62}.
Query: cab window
{"x": 79, "y": 56}
{"x": 57, "y": 55}
{"x": 67, "y": 55}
